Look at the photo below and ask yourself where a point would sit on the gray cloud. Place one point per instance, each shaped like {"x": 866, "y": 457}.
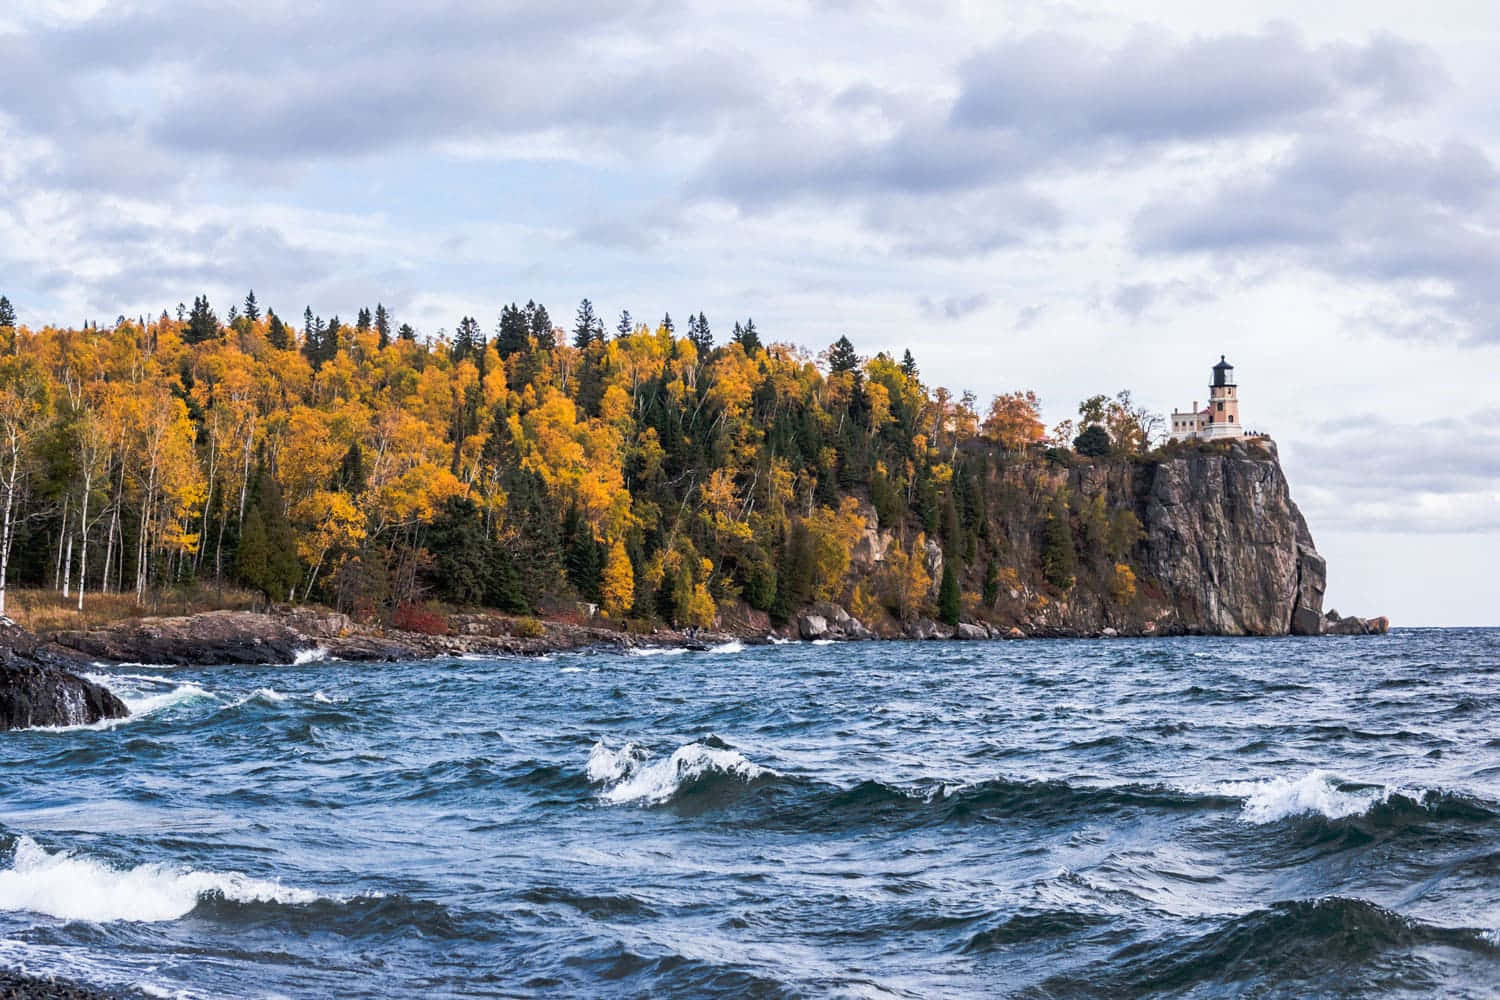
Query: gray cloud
{"x": 1374, "y": 474}
{"x": 1156, "y": 89}
{"x": 953, "y": 306}
{"x": 1363, "y": 209}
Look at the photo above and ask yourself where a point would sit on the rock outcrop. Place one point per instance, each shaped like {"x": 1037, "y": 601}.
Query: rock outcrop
{"x": 1228, "y": 548}
{"x": 38, "y": 690}
{"x": 1336, "y": 624}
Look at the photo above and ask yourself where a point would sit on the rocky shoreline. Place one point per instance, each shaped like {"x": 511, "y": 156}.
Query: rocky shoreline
{"x": 40, "y": 686}
{"x": 21, "y": 986}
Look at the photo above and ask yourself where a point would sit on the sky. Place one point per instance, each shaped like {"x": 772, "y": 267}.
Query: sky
{"x": 1067, "y": 197}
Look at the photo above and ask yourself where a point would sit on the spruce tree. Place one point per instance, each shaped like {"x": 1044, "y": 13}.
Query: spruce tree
{"x": 202, "y": 324}
{"x": 252, "y": 307}
{"x": 841, "y": 357}
{"x": 587, "y": 327}
{"x": 909, "y": 365}
{"x": 407, "y": 333}
{"x": 626, "y": 326}
{"x": 363, "y": 320}
{"x": 276, "y": 332}
{"x": 667, "y": 324}
{"x": 466, "y": 339}
{"x": 541, "y": 326}
{"x": 950, "y": 599}
{"x": 328, "y": 347}
{"x": 701, "y": 336}
{"x": 747, "y": 337}
{"x": 383, "y": 325}
{"x": 7, "y": 313}
{"x": 512, "y": 334}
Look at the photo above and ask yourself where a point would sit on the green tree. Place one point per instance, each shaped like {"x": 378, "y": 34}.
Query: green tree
{"x": 842, "y": 358}
{"x": 202, "y": 324}
{"x": 950, "y": 599}
{"x": 700, "y": 335}
{"x": 252, "y": 307}
{"x": 382, "y": 326}
{"x": 276, "y": 332}
{"x": 513, "y": 333}
{"x": 1059, "y": 562}
{"x": 1093, "y": 442}
{"x": 587, "y": 327}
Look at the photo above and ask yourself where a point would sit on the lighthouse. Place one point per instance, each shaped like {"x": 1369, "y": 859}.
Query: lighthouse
{"x": 1218, "y": 421}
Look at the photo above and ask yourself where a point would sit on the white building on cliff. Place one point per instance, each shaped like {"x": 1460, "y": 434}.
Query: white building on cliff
{"x": 1220, "y": 419}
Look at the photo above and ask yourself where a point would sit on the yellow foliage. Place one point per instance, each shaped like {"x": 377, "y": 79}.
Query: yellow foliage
{"x": 618, "y": 586}
{"x": 1122, "y": 584}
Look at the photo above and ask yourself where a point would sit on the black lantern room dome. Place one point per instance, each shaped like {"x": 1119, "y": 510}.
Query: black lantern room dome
{"x": 1223, "y": 372}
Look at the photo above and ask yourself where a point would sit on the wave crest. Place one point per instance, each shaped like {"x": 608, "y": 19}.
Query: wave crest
{"x": 69, "y": 887}
{"x": 634, "y": 774}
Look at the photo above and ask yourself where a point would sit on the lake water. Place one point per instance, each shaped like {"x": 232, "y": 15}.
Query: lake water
{"x": 1049, "y": 819}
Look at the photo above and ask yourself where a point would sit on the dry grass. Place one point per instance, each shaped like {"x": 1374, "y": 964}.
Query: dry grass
{"x": 48, "y": 611}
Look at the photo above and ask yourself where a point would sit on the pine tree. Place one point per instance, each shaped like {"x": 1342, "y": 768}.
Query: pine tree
{"x": 541, "y": 326}
{"x": 950, "y": 599}
{"x": 276, "y": 332}
{"x": 252, "y": 308}
{"x": 1059, "y": 562}
{"x": 747, "y": 337}
{"x": 202, "y": 324}
{"x": 328, "y": 347}
{"x": 667, "y": 324}
{"x": 513, "y": 333}
{"x": 587, "y": 327}
{"x": 626, "y": 326}
{"x": 407, "y": 333}
{"x": 991, "y": 584}
{"x": 701, "y": 336}
{"x": 7, "y": 313}
{"x": 363, "y": 320}
{"x": 841, "y": 357}
{"x": 466, "y": 339}
{"x": 383, "y": 325}
{"x": 909, "y": 365}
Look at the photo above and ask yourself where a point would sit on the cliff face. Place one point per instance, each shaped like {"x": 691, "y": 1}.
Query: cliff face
{"x": 1228, "y": 548}
{"x": 1221, "y": 549}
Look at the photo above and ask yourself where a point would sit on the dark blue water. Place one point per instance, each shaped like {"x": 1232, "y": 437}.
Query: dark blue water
{"x": 1196, "y": 817}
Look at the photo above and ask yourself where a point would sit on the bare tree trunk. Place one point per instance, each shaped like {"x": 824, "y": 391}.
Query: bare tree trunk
{"x": 57, "y": 572}
{"x": 83, "y": 534}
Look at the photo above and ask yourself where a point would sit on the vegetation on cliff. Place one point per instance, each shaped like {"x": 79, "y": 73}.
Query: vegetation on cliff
{"x": 664, "y": 477}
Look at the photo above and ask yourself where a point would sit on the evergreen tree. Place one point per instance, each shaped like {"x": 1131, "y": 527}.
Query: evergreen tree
{"x": 252, "y": 307}
{"x": 276, "y": 332}
{"x": 7, "y": 313}
{"x": 202, "y": 324}
{"x": 701, "y": 336}
{"x": 667, "y": 324}
{"x": 841, "y": 357}
{"x": 1093, "y": 442}
{"x": 587, "y": 327}
{"x": 466, "y": 340}
{"x": 351, "y": 476}
{"x": 512, "y": 335}
{"x": 626, "y": 326}
{"x": 1059, "y": 562}
{"x": 363, "y": 320}
{"x": 383, "y": 325}
{"x": 328, "y": 346}
{"x": 950, "y": 599}
{"x": 747, "y": 337}
{"x": 267, "y": 555}
{"x": 909, "y": 365}
{"x": 541, "y": 326}
{"x": 991, "y": 583}
{"x": 407, "y": 333}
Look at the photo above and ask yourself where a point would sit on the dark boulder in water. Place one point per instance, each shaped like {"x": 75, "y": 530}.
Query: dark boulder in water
{"x": 37, "y": 692}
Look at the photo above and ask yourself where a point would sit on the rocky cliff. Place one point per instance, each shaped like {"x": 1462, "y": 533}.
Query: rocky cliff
{"x": 36, "y": 689}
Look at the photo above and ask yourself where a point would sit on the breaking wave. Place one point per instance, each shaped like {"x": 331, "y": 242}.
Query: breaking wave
{"x": 70, "y": 887}
{"x": 634, "y": 774}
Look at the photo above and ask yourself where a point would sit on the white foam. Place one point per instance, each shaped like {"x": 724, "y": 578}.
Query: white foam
{"x": 321, "y": 698}
{"x": 68, "y": 887}
{"x": 313, "y": 655}
{"x": 777, "y": 640}
{"x": 655, "y": 651}
{"x": 1273, "y": 799}
{"x": 732, "y": 646}
{"x": 144, "y": 694}
{"x": 631, "y": 775}
{"x": 822, "y": 642}
{"x": 571, "y": 670}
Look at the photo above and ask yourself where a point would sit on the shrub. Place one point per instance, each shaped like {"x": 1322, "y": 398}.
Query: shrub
{"x": 419, "y": 619}
{"x": 1122, "y": 584}
{"x": 526, "y": 628}
{"x": 1093, "y": 442}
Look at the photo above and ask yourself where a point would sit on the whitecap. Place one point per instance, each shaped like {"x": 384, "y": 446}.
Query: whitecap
{"x": 655, "y": 651}
{"x": 822, "y": 642}
{"x": 143, "y": 694}
{"x": 777, "y": 640}
{"x": 314, "y": 655}
{"x": 1271, "y": 799}
{"x": 321, "y": 698}
{"x": 732, "y": 646}
{"x": 69, "y": 887}
{"x": 571, "y": 670}
{"x": 631, "y": 775}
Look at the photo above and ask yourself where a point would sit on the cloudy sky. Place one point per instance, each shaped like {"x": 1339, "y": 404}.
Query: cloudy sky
{"x": 1074, "y": 198}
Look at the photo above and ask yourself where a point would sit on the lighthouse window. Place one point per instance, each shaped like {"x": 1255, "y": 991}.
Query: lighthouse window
{"x": 1221, "y": 407}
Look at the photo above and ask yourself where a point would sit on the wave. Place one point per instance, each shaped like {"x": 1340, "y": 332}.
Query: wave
{"x": 143, "y": 694}
{"x": 1321, "y": 795}
{"x": 316, "y": 654}
{"x": 656, "y": 651}
{"x": 1329, "y": 945}
{"x": 732, "y": 646}
{"x": 69, "y": 887}
{"x": 634, "y": 774}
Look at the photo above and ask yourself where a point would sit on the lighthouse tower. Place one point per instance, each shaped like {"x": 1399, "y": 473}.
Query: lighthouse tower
{"x": 1223, "y": 417}
{"x": 1220, "y": 419}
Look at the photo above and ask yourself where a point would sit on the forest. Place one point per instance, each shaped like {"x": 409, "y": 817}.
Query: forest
{"x": 656, "y": 474}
